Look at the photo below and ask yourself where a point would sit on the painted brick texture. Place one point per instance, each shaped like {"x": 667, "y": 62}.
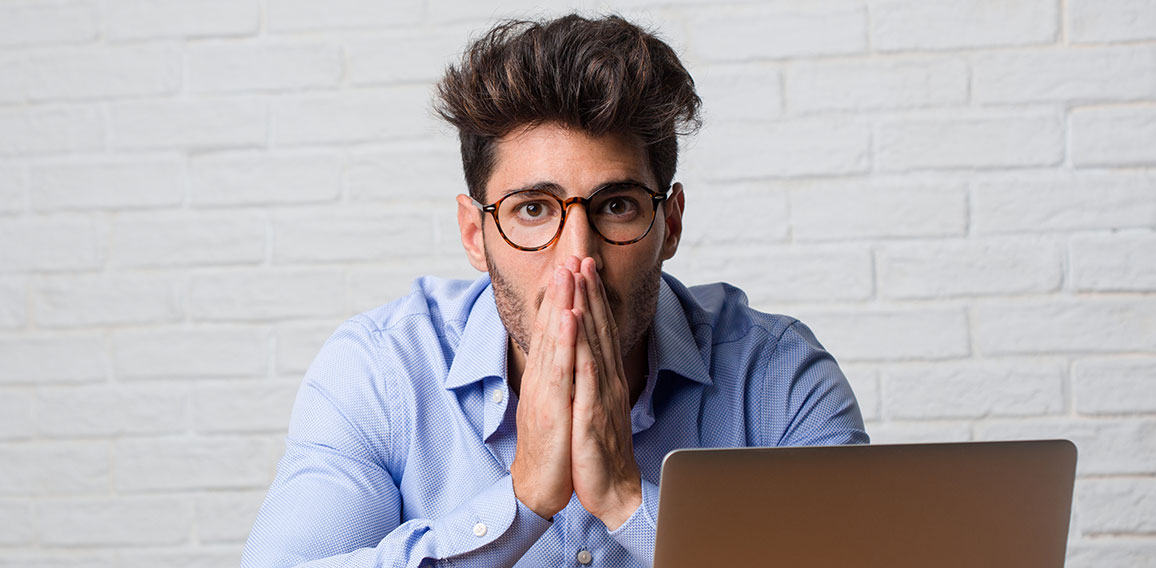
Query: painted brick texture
{"x": 959, "y": 198}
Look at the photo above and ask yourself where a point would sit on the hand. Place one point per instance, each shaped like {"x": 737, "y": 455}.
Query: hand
{"x": 542, "y": 460}
{"x": 605, "y": 476}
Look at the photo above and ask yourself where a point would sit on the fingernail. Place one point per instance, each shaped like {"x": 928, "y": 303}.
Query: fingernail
{"x": 559, "y": 275}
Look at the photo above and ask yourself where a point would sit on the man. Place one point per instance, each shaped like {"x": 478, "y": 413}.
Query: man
{"x": 522, "y": 418}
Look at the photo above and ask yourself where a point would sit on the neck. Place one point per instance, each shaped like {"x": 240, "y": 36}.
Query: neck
{"x": 635, "y": 364}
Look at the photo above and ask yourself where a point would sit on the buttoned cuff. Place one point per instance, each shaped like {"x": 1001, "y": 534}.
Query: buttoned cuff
{"x": 636, "y": 535}
{"x": 492, "y": 529}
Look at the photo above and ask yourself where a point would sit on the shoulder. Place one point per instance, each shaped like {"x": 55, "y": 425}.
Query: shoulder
{"x": 724, "y": 309}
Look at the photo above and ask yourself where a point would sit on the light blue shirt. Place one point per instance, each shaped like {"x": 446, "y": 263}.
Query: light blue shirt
{"x": 403, "y": 433}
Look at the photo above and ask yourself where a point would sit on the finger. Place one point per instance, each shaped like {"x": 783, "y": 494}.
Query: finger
{"x": 564, "y": 354}
{"x": 585, "y": 372}
{"x": 604, "y": 330}
{"x": 548, "y": 334}
{"x": 573, "y": 263}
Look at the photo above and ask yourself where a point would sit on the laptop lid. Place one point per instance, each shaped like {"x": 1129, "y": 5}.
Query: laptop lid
{"x": 989, "y": 504}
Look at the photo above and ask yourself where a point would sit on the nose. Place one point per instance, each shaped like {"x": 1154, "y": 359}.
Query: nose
{"x": 578, "y": 237}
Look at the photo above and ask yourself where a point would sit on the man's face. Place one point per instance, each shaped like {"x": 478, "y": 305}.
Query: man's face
{"x": 579, "y": 165}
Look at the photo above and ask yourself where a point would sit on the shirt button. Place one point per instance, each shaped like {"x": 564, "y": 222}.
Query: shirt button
{"x": 480, "y": 529}
{"x": 496, "y": 396}
{"x": 584, "y": 557}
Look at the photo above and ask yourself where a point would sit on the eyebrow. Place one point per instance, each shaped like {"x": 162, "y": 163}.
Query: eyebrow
{"x": 557, "y": 190}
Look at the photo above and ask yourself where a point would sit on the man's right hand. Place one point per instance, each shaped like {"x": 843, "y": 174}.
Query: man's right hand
{"x": 541, "y": 468}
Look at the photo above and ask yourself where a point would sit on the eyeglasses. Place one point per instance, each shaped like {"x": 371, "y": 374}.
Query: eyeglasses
{"x": 532, "y": 219}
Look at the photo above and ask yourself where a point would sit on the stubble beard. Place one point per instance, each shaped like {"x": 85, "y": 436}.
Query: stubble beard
{"x": 518, "y": 315}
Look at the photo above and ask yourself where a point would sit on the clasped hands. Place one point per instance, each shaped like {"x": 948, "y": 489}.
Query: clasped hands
{"x": 573, "y": 417}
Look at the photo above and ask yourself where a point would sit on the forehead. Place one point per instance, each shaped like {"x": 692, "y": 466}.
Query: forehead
{"x": 569, "y": 158}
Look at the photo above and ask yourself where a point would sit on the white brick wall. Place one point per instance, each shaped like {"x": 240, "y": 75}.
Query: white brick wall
{"x": 958, "y": 197}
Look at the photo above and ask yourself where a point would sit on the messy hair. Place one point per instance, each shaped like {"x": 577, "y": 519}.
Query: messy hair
{"x": 601, "y": 76}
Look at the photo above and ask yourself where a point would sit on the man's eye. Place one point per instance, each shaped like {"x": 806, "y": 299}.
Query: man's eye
{"x": 619, "y": 206}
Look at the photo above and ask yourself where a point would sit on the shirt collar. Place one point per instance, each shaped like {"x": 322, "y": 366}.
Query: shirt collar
{"x": 482, "y": 342}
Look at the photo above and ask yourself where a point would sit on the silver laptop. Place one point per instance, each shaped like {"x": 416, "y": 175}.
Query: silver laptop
{"x": 973, "y": 505}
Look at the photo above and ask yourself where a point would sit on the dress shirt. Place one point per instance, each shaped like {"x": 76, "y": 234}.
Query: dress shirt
{"x": 403, "y": 431}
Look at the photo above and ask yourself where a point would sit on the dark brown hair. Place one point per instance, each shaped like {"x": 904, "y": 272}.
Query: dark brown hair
{"x": 601, "y": 76}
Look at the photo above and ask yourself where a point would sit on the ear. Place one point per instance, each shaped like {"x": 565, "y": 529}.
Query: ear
{"x": 672, "y": 213}
{"x": 470, "y": 220}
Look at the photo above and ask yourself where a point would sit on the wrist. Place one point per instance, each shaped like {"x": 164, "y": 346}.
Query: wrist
{"x": 628, "y": 499}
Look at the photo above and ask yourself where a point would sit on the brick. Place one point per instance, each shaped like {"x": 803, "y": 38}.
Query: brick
{"x": 459, "y": 10}
{"x": 148, "y": 521}
{"x": 774, "y": 275}
{"x": 748, "y": 91}
{"x": 187, "y": 238}
{"x": 64, "y": 242}
{"x": 200, "y": 557}
{"x": 87, "y": 73}
{"x": 189, "y": 124}
{"x": 368, "y": 288}
{"x": 876, "y": 84}
{"x": 107, "y": 184}
{"x": 195, "y": 463}
{"x": 149, "y": 19}
{"x": 919, "y": 432}
{"x": 864, "y": 381}
{"x": 918, "y": 25}
{"x": 13, "y": 302}
{"x": 16, "y": 523}
{"x": 966, "y": 268}
{"x": 973, "y": 389}
{"x": 1097, "y": 21}
{"x": 79, "y": 301}
{"x": 788, "y": 148}
{"x": 244, "y": 407}
{"x": 298, "y": 344}
{"x": 227, "y": 516}
{"x": 13, "y": 79}
{"x": 872, "y": 334}
{"x": 759, "y": 32}
{"x": 257, "y": 179}
{"x": 15, "y": 420}
{"x": 1064, "y": 203}
{"x": 217, "y": 351}
{"x": 1114, "y": 262}
{"x": 343, "y": 234}
{"x": 374, "y": 60}
{"x": 1085, "y": 74}
{"x": 1117, "y": 506}
{"x": 259, "y": 295}
{"x": 739, "y": 214}
{"x": 226, "y": 68}
{"x": 1065, "y": 326}
{"x": 36, "y": 359}
{"x": 1115, "y": 385}
{"x": 40, "y": 23}
{"x": 12, "y": 185}
{"x": 111, "y": 410}
{"x": 1020, "y": 140}
{"x": 44, "y": 130}
{"x": 54, "y": 468}
{"x": 1114, "y": 136}
{"x": 298, "y": 15}
{"x": 390, "y": 113}
{"x": 407, "y": 173}
{"x": 42, "y": 558}
{"x": 846, "y": 210}
{"x": 1134, "y": 553}
{"x": 1115, "y": 447}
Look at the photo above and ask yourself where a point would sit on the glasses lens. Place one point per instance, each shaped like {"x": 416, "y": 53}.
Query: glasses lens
{"x": 622, "y": 212}
{"x": 529, "y": 218}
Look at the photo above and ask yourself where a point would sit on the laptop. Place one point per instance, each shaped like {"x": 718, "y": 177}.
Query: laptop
{"x": 973, "y": 505}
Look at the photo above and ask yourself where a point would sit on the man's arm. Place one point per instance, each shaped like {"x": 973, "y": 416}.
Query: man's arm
{"x": 334, "y": 503}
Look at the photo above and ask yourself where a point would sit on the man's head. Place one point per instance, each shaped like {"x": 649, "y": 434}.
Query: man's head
{"x": 569, "y": 106}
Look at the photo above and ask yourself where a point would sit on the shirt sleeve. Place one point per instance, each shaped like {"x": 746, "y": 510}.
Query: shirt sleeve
{"x": 817, "y": 406}
{"x": 637, "y": 534}
{"x": 334, "y": 501}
